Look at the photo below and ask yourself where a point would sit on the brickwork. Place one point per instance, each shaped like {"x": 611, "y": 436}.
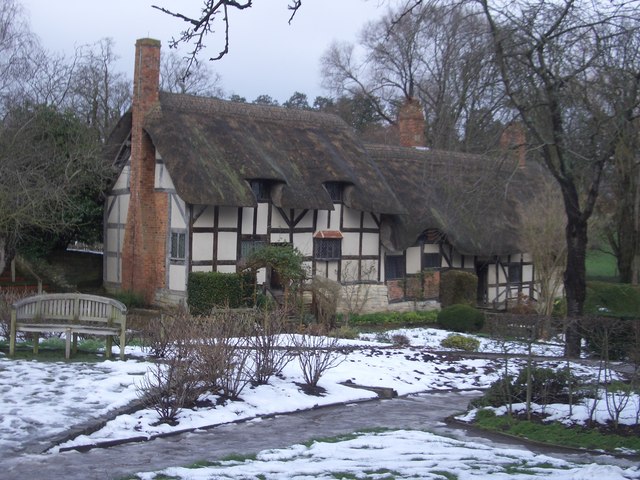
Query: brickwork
{"x": 411, "y": 124}
{"x": 144, "y": 249}
{"x": 513, "y": 140}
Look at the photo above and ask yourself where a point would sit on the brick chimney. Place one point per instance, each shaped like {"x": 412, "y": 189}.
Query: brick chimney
{"x": 411, "y": 124}
{"x": 146, "y": 232}
{"x": 513, "y": 141}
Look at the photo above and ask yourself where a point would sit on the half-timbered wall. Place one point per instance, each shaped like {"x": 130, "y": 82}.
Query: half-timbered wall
{"x": 116, "y": 209}
{"x": 215, "y": 238}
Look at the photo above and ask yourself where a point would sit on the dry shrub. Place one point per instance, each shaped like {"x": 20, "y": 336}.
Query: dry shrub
{"x": 173, "y": 382}
{"x": 7, "y": 298}
{"x": 317, "y": 353}
{"x": 270, "y": 348}
{"x": 223, "y": 355}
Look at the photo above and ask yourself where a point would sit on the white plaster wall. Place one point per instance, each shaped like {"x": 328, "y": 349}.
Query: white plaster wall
{"x": 202, "y": 248}
{"x": 205, "y": 219}
{"x": 162, "y": 178}
{"x": 369, "y": 269}
{"x": 370, "y": 243}
{"x": 123, "y": 179}
{"x": 351, "y": 218}
{"x": 527, "y": 273}
{"x": 112, "y": 273}
{"x": 335, "y": 217}
{"x": 279, "y": 238}
{"x": 226, "y": 269}
{"x": 306, "y": 221}
{"x": 227, "y": 245}
{"x": 323, "y": 216}
{"x": 304, "y": 243}
{"x": 123, "y": 208}
{"x": 413, "y": 260}
{"x": 247, "y": 220}
{"x": 456, "y": 259}
{"x": 177, "y": 209}
{"x": 277, "y": 221}
{"x": 228, "y": 217}
{"x": 263, "y": 216}
{"x": 332, "y": 272}
{"x": 369, "y": 221}
{"x": 178, "y": 277}
{"x": 431, "y": 248}
{"x": 201, "y": 268}
{"x": 350, "y": 243}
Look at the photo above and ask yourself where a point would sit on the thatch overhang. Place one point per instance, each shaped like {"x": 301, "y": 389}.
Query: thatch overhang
{"x": 212, "y": 149}
{"x": 117, "y": 146}
{"x": 474, "y": 200}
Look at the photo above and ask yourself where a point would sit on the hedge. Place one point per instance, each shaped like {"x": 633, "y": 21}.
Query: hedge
{"x": 207, "y": 290}
{"x": 458, "y": 287}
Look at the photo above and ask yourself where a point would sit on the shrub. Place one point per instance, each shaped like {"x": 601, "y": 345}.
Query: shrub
{"x": 207, "y": 290}
{"x": 547, "y": 386}
{"x": 458, "y": 287}
{"x": 400, "y": 340}
{"x": 461, "y": 318}
{"x": 461, "y": 342}
{"x": 418, "y": 317}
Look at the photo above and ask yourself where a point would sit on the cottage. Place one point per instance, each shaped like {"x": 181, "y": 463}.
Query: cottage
{"x": 204, "y": 182}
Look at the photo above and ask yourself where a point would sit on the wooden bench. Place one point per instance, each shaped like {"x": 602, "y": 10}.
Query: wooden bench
{"x": 71, "y": 313}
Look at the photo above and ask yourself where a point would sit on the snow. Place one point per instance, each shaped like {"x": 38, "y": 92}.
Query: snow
{"x": 42, "y": 400}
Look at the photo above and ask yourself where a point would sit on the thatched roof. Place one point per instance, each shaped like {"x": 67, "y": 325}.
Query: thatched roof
{"x": 472, "y": 199}
{"x": 213, "y": 148}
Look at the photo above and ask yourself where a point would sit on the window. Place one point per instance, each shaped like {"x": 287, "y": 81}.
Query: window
{"x": 178, "y": 245}
{"x": 250, "y": 245}
{"x": 261, "y": 190}
{"x": 327, "y": 248}
{"x": 514, "y": 273}
{"x": 334, "y": 189}
{"x": 432, "y": 260}
{"x": 394, "y": 267}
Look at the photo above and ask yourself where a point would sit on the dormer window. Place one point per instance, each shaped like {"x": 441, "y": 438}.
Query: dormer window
{"x": 261, "y": 190}
{"x": 334, "y": 189}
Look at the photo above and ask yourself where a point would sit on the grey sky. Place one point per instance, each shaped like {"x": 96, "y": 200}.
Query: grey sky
{"x": 267, "y": 55}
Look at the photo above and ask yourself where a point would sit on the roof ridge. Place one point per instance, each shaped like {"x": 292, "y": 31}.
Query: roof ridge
{"x": 208, "y": 105}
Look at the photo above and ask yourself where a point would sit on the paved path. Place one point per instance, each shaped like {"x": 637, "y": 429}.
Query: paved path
{"x": 425, "y": 411}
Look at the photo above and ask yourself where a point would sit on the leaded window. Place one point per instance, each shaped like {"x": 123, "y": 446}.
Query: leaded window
{"x": 327, "y": 248}
{"x": 178, "y": 245}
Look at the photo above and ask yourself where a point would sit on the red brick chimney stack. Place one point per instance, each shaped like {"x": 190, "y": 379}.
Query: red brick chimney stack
{"x": 514, "y": 141}
{"x": 143, "y": 256}
{"x": 411, "y": 124}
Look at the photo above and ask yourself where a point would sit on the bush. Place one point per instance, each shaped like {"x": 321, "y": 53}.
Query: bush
{"x": 461, "y": 318}
{"x": 461, "y": 342}
{"x": 613, "y": 299}
{"x": 395, "y": 318}
{"x": 207, "y": 290}
{"x": 547, "y": 386}
{"x": 458, "y": 287}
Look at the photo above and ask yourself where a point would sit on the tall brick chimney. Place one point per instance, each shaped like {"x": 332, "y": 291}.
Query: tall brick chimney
{"x": 513, "y": 141}
{"x": 145, "y": 239}
{"x": 411, "y": 124}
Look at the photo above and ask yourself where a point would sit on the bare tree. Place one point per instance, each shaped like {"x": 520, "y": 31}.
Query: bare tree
{"x": 435, "y": 54}
{"x": 199, "y": 26}
{"x": 543, "y": 238}
{"x": 552, "y": 62}
{"x": 199, "y": 80}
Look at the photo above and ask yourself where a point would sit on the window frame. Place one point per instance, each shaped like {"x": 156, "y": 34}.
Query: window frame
{"x": 178, "y": 246}
{"x": 514, "y": 273}
{"x": 397, "y": 260}
{"x": 327, "y": 249}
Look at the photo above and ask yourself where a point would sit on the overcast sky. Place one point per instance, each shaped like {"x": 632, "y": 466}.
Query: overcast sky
{"x": 267, "y": 55}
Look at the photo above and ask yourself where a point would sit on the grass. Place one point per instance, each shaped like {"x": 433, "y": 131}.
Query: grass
{"x": 556, "y": 433}
{"x": 601, "y": 266}
{"x": 393, "y": 319}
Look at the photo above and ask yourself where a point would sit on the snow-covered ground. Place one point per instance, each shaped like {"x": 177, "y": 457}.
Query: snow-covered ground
{"x": 41, "y": 400}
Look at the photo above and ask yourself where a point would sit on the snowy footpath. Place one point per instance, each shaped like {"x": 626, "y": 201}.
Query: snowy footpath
{"x": 43, "y": 400}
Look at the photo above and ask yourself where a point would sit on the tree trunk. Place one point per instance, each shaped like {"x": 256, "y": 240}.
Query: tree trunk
{"x": 575, "y": 282}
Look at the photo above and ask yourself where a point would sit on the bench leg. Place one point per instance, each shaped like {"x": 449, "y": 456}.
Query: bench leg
{"x": 67, "y": 345}
{"x": 108, "y": 344}
{"x": 74, "y": 348}
{"x": 123, "y": 340}
{"x": 36, "y": 342}
{"x": 12, "y": 335}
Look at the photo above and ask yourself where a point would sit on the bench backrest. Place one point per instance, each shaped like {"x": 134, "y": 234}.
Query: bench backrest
{"x": 73, "y": 307}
